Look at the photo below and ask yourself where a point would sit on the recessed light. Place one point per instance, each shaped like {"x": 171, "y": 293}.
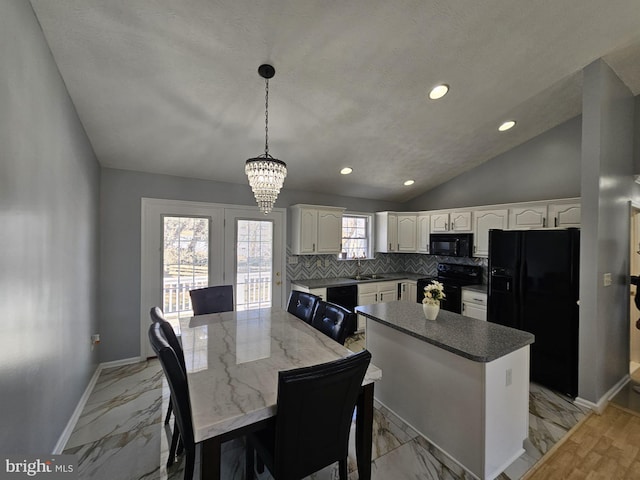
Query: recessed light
{"x": 346, "y": 170}
{"x": 438, "y": 91}
{"x": 409, "y": 182}
{"x": 509, "y": 124}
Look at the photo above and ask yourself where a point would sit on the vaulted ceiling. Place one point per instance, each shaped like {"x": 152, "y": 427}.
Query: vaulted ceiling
{"x": 172, "y": 87}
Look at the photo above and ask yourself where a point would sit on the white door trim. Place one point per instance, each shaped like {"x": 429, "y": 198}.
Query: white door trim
{"x": 152, "y": 210}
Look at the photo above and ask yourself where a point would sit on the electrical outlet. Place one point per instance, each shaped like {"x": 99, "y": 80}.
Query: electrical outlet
{"x": 607, "y": 280}
{"x": 508, "y": 378}
{"x": 319, "y": 263}
{"x": 293, "y": 260}
{"x": 327, "y": 262}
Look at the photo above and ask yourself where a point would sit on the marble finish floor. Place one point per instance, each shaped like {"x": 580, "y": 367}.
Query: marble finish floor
{"x": 121, "y": 435}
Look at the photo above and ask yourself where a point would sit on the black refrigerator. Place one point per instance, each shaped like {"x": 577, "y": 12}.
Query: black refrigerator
{"x": 533, "y": 286}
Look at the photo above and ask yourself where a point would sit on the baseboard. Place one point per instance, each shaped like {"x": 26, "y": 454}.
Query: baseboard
{"x": 123, "y": 362}
{"x": 71, "y": 424}
{"x": 605, "y": 399}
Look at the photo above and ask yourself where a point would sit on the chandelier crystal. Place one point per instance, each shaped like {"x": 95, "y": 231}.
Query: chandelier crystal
{"x": 266, "y": 174}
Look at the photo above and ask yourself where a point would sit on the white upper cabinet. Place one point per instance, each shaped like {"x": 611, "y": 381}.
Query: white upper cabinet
{"x": 460, "y": 221}
{"x": 483, "y": 221}
{"x": 564, "y": 215}
{"x": 395, "y": 232}
{"x": 423, "y": 228}
{"x": 386, "y": 232}
{"x": 533, "y": 216}
{"x": 407, "y": 232}
{"x": 316, "y": 229}
{"x": 439, "y": 222}
{"x": 451, "y": 222}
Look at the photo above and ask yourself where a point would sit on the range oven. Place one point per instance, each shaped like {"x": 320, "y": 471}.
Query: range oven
{"x": 453, "y": 277}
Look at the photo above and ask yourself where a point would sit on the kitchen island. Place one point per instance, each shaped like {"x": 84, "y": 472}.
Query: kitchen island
{"x": 461, "y": 383}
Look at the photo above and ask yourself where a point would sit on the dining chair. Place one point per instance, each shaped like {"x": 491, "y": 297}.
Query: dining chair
{"x": 332, "y": 320}
{"x": 214, "y": 299}
{"x": 177, "y": 379}
{"x": 157, "y": 317}
{"x": 311, "y": 430}
{"x": 302, "y": 305}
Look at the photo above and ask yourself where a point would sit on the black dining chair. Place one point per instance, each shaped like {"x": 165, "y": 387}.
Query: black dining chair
{"x": 157, "y": 316}
{"x": 214, "y": 299}
{"x": 333, "y": 320}
{"x": 302, "y": 305}
{"x": 311, "y": 429}
{"x": 177, "y": 379}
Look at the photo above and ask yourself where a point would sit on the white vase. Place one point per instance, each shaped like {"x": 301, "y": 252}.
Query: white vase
{"x": 431, "y": 310}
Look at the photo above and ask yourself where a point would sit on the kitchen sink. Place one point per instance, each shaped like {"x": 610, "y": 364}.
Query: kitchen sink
{"x": 367, "y": 277}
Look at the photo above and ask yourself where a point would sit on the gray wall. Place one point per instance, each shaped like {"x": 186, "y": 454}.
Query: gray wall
{"x": 120, "y": 202}
{"x": 607, "y": 187}
{"x": 546, "y": 167}
{"x": 49, "y": 181}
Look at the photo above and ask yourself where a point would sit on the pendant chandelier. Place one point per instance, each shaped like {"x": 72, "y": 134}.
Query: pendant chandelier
{"x": 266, "y": 174}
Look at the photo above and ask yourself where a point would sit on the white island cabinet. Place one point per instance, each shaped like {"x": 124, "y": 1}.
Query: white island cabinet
{"x": 461, "y": 383}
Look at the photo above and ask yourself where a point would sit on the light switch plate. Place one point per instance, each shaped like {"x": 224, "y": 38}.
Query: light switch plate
{"x": 607, "y": 281}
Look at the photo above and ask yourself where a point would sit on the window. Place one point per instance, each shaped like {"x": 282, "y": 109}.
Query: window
{"x": 185, "y": 264}
{"x": 254, "y": 264}
{"x": 356, "y": 236}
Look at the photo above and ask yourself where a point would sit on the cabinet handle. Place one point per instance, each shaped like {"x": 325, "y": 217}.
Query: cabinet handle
{"x": 398, "y": 247}
{"x": 314, "y": 247}
{"x": 376, "y": 298}
{"x": 555, "y": 221}
{"x": 544, "y": 222}
{"x": 390, "y": 248}
{"x": 463, "y": 307}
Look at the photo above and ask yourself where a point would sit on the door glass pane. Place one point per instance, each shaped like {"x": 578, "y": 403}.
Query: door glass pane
{"x": 254, "y": 264}
{"x": 185, "y": 262}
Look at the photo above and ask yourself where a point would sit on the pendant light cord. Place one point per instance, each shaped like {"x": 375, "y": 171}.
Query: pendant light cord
{"x": 266, "y": 118}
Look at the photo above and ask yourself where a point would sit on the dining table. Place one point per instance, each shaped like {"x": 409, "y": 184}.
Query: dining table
{"x": 233, "y": 359}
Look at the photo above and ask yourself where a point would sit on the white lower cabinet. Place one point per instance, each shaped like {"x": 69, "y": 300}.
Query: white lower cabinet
{"x": 474, "y": 304}
{"x": 375, "y": 292}
{"x": 408, "y": 291}
{"x": 318, "y": 292}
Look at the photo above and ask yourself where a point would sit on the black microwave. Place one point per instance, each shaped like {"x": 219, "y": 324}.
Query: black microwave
{"x": 451, "y": 244}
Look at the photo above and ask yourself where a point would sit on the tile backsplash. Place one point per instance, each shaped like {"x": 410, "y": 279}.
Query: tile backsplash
{"x": 328, "y": 266}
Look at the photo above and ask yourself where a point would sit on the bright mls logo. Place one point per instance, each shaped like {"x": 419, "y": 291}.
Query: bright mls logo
{"x": 52, "y": 467}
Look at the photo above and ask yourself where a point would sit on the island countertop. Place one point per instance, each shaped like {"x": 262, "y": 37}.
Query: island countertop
{"x": 476, "y": 340}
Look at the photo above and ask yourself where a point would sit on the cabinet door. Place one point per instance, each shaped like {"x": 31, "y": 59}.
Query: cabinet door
{"x": 386, "y": 232}
{"x": 528, "y": 217}
{"x": 388, "y": 292}
{"x": 439, "y": 222}
{"x": 329, "y": 231}
{"x": 308, "y": 231}
{"x": 483, "y": 221}
{"x": 408, "y": 291}
{"x": 423, "y": 230}
{"x": 406, "y": 233}
{"x": 460, "y": 221}
{"x": 474, "y": 311}
{"x": 567, "y": 215}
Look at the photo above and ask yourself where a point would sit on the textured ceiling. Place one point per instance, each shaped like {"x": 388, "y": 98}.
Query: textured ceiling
{"x": 172, "y": 87}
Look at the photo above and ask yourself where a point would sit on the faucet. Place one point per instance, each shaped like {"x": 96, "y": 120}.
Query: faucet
{"x": 358, "y": 268}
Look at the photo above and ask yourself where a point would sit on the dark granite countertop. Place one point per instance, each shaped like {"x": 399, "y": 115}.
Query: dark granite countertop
{"x": 476, "y": 340}
{"x": 343, "y": 281}
{"x": 481, "y": 288}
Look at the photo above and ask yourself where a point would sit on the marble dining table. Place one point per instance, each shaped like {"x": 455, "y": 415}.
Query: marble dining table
{"x": 233, "y": 360}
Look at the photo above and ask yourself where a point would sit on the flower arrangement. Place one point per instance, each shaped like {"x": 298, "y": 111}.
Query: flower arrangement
{"x": 433, "y": 293}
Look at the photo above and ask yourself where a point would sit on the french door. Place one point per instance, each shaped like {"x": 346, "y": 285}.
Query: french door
{"x": 187, "y": 245}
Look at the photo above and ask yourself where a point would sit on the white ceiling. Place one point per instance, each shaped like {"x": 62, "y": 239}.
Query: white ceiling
{"x": 172, "y": 87}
